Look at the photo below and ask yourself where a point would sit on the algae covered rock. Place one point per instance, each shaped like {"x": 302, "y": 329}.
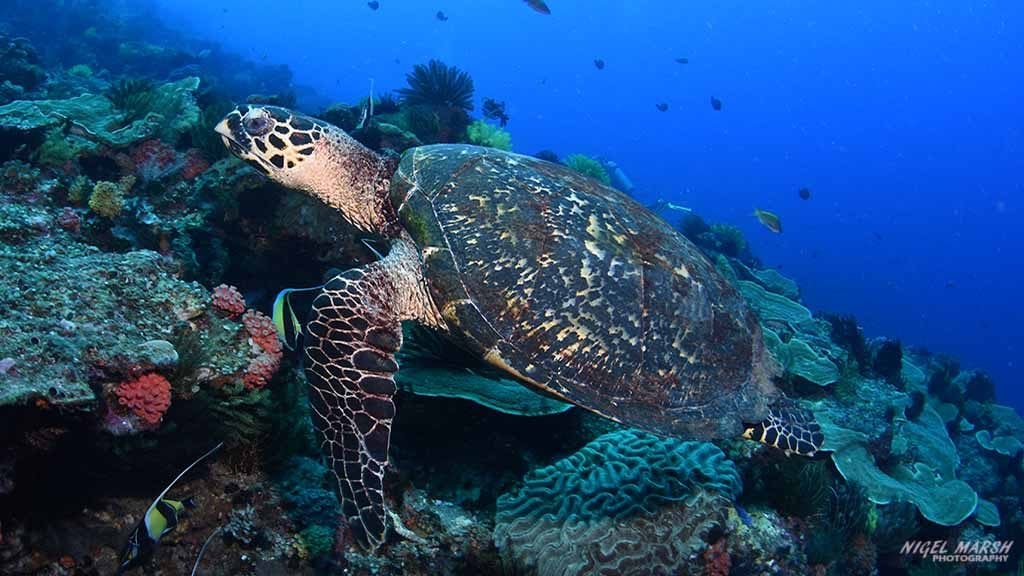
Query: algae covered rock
{"x": 627, "y": 503}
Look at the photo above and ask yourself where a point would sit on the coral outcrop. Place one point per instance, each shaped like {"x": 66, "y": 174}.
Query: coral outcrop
{"x": 148, "y": 397}
{"x": 627, "y": 503}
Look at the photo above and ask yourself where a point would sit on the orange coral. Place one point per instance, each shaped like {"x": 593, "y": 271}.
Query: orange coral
{"x": 148, "y": 396}
{"x": 262, "y": 331}
{"x": 229, "y": 300}
{"x": 716, "y": 559}
{"x": 266, "y": 350}
{"x": 261, "y": 369}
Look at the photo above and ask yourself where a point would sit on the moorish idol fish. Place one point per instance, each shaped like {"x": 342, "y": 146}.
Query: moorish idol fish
{"x": 160, "y": 518}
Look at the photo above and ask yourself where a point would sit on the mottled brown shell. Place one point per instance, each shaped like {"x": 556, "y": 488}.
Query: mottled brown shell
{"x": 576, "y": 289}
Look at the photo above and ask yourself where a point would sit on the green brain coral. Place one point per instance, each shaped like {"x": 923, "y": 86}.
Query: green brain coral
{"x": 588, "y": 167}
{"x": 627, "y": 503}
{"x": 483, "y": 134}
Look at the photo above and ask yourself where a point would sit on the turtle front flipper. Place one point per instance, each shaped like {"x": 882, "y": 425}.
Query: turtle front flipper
{"x": 789, "y": 428}
{"x": 352, "y": 337}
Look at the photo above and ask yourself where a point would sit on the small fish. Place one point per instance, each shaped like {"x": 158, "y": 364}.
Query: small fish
{"x": 373, "y": 4}
{"x": 716, "y": 103}
{"x": 599, "y": 64}
{"x": 538, "y": 6}
{"x": 805, "y": 193}
{"x": 284, "y": 317}
{"x": 160, "y": 518}
{"x": 682, "y": 60}
{"x": 769, "y": 220}
{"x": 661, "y": 106}
{"x": 441, "y": 16}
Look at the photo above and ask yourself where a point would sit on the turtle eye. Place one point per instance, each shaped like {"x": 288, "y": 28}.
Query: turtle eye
{"x": 256, "y": 125}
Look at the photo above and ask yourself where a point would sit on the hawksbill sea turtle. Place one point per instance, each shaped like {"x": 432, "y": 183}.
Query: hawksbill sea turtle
{"x": 567, "y": 285}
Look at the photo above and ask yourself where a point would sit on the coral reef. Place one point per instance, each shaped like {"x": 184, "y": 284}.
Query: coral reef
{"x": 127, "y": 237}
{"x": 20, "y": 69}
{"x": 628, "y": 502}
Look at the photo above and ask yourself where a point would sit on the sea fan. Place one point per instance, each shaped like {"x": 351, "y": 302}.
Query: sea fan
{"x": 438, "y": 84}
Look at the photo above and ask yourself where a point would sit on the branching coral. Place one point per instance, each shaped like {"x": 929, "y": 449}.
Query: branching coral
{"x": 107, "y": 199}
{"x": 483, "y": 134}
{"x": 588, "y": 167}
{"x": 438, "y": 84}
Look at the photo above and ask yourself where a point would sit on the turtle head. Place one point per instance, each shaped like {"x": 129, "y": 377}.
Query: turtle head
{"x": 314, "y": 157}
{"x": 273, "y": 140}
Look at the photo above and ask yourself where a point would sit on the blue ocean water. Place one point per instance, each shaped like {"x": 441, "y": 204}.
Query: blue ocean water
{"x": 903, "y": 119}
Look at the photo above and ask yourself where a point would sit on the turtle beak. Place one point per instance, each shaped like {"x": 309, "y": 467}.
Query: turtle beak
{"x": 225, "y": 131}
{"x": 230, "y": 132}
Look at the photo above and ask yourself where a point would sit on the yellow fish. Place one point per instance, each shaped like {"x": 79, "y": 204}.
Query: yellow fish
{"x": 160, "y": 518}
{"x": 769, "y": 220}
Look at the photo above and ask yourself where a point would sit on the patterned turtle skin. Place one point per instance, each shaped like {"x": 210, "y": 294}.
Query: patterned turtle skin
{"x": 581, "y": 292}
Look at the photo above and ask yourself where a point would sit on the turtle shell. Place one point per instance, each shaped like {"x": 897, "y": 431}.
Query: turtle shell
{"x": 577, "y": 290}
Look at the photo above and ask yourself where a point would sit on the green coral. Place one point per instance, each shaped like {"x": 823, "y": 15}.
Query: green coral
{"x": 628, "y": 502}
{"x": 588, "y": 167}
{"x": 1005, "y": 445}
{"x": 921, "y": 468}
{"x": 318, "y": 540}
{"x": 107, "y": 199}
{"x": 166, "y": 111}
{"x": 483, "y": 134}
{"x": 79, "y": 189}
{"x": 81, "y": 71}
{"x": 57, "y": 150}
{"x": 799, "y": 359}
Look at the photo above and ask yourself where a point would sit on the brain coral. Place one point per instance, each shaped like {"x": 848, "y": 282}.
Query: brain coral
{"x": 627, "y": 503}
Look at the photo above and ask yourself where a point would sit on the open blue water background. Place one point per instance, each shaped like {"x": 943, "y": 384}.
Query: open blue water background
{"x": 905, "y": 119}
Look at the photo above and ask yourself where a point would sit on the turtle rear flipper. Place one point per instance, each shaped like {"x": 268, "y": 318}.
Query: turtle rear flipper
{"x": 789, "y": 428}
{"x": 351, "y": 339}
